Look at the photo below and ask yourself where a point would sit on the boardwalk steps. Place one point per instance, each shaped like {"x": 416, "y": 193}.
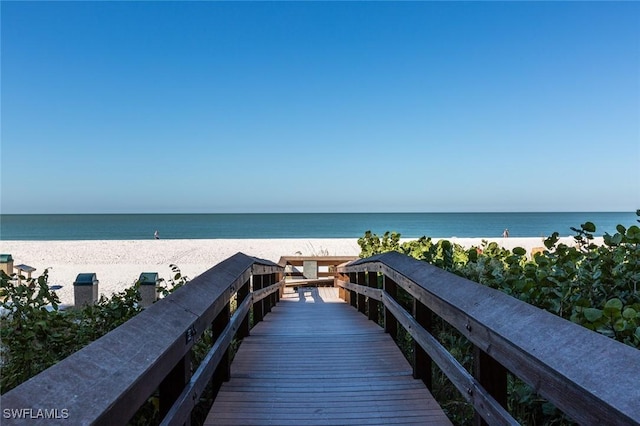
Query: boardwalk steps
{"x": 315, "y": 360}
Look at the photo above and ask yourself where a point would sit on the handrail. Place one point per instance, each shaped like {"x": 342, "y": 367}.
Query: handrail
{"x": 106, "y": 382}
{"x": 590, "y": 377}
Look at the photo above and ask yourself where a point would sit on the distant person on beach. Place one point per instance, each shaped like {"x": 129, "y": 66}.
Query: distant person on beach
{"x": 505, "y": 233}
{"x": 156, "y": 235}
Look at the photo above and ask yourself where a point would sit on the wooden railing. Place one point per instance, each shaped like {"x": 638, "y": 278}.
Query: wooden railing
{"x": 296, "y": 266}
{"x": 107, "y": 382}
{"x": 590, "y": 377}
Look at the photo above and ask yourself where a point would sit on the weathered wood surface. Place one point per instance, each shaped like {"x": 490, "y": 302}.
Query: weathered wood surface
{"x": 314, "y": 360}
{"x": 106, "y": 382}
{"x": 302, "y": 282}
{"x": 322, "y": 260}
{"x": 591, "y": 377}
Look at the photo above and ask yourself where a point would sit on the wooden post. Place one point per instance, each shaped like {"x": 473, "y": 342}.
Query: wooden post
{"x": 362, "y": 299}
{"x": 342, "y": 293}
{"x": 223, "y": 371}
{"x": 269, "y": 301}
{"x": 373, "y": 304}
{"x": 422, "y": 361}
{"x": 276, "y": 295}
{"x": 492, "y": 376}
{"x": 171, "y": 386}
{"x": 353, "y": 296}
{"x": 390, "y": 322}
{"x": 241, "y": 295}
{"x": 258, "y": 307}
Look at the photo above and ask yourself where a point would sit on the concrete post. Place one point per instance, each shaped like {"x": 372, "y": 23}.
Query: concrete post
{"x": 85, "y": 289}
{"x": 148, "y": 288}
{"x": 6, "y": 264}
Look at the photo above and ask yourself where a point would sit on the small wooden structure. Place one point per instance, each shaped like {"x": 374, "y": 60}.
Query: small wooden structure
{"x": 316, "y": 270}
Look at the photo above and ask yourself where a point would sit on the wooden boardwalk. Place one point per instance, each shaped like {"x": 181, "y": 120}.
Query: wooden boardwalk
{"x": 315, "y": 360}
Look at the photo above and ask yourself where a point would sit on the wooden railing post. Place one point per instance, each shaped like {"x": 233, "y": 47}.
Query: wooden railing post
{"x": 373, "y": 304}
{"x": 223, "y": 371}
{"x": 275, "y": 296}
{"x": 342, "y": 293}
{"x": 390, "y": 322}
{"x": 269, "y": 301}
{"x": 422, "y": 361}
{"x": 492, "y": 376}
{"x": 172, "y": 385}
{"x": 258, "y": 307}
{"x": 362, "y": 280}
{"x": 353, "y": 296}
{"x": 241, "y": 295}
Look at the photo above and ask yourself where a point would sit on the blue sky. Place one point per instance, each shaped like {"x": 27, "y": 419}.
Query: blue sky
{"x": 134, "y": 107}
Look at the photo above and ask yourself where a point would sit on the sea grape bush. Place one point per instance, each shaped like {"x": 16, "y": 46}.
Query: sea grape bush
{"x": 592, "y": 285}
{"x": 596, "y": 286}
{"x": 36, "y": 334}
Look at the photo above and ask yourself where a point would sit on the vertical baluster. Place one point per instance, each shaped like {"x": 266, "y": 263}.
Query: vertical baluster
{"x": 492, "y": 376}
{"x": 172, "y": 385}
{"x": 243, "y": 293}
{"x": 258, "y": 310}
{"x": 353, "y": 296}
{"x": 374, "y": 305}
{"x": 421, "y": 361}
{"x": 362, "y": 280}
{"x": 341, "y": 290}
{"x": 269, "y": 301}
{"x": 390, "y": 322}
{"x": 223, "y": 371}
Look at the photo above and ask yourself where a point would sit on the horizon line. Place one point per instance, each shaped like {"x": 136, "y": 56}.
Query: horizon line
{"x": 637, "y": 211}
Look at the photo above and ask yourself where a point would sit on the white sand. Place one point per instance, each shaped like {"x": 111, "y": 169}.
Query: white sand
{"x": 119, "y": 263}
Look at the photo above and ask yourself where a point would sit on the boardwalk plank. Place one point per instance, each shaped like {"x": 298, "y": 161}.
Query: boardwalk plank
{"x": 314, "y": 360}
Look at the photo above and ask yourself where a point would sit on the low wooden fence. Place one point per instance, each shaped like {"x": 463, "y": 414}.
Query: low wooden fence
{"x": 590, "y": 377}
{"x": 107, "y": 382}
{"x": 298, "y": 266}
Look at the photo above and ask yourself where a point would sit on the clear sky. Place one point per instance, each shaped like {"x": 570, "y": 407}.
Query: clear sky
{"x": 135, "y": 107}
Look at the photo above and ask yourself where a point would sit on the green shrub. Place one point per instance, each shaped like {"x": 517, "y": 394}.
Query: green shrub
{"x": 593, "y": 285}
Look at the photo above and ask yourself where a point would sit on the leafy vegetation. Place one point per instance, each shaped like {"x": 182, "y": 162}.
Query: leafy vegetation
{"x": 594, "y": 285}
{"x": 36, "y": 334}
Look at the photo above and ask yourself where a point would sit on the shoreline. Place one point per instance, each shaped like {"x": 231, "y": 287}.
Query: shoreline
{"x": 119, "y": 263}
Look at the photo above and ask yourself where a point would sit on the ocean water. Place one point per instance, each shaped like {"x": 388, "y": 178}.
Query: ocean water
{"x": 300, "y": 225}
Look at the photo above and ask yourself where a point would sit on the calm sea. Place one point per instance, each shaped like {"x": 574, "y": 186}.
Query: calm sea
{"x": 299, "y": 225}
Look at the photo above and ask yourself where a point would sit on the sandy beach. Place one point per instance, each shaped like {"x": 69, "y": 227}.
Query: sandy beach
{"x": 118, "y": 263}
